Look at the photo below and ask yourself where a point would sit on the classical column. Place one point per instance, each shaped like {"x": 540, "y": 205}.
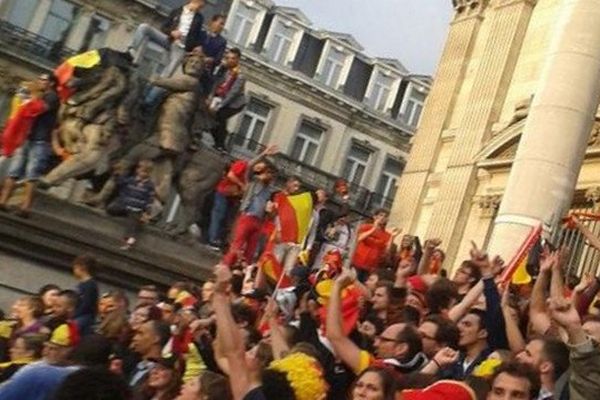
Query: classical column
{"x": 551, "y": 151}
{"x": 438, "y": 106}
{"x": 506, "y": 25}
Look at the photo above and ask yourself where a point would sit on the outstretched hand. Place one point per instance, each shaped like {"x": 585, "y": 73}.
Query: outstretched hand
{"x": 222, "y": 278}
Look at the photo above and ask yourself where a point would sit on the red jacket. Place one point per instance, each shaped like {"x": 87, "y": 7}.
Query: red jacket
{"x": 370, "y": 252}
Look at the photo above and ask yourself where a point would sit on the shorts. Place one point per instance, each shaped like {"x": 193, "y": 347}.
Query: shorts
{"x": 30, "y": 161}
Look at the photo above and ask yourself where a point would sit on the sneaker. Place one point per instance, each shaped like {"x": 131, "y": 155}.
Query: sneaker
{"x": 128, "y": 244}
{"x": 214, "y": 247}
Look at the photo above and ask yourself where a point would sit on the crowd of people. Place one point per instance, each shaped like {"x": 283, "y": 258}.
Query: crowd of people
{"x": 307, "y": 303}
{"x": 383, "y": 322}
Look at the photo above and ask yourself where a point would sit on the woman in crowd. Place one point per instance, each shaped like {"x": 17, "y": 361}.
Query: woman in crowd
{"x": 374, "y": 384}
{"x": 208, "y": 386}
{"x": 164, "y": 380}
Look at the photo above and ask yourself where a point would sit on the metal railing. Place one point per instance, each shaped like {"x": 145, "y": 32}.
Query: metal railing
{"x": 583, "y": 257}
{"x": 361, "y": 199}
{"x": 34, "y": 47}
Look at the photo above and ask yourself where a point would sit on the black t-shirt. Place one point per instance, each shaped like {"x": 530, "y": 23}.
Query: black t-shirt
{"x": 42, "y": 126}
{"x": 255, "y": 394}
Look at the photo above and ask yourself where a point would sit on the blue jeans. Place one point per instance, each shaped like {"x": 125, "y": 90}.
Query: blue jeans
{"x": 218, "y": 216}
{"x": 30, "y": 161}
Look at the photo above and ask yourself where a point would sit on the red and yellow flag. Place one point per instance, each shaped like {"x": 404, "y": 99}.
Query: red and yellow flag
{"x": 273, "y": 270}
{"x": 295, "y": 213}
{"x": 65, "y": 71}
{"x": 516, "y": 271}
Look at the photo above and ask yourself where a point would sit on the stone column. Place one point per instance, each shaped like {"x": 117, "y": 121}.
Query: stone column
{"x": 556, "y": 133}
{"x": 507, "y": 22}
{"x": 439, "y": 104}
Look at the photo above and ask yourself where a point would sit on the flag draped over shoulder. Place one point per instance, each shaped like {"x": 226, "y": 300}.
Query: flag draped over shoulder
{"x": 295, "y": 213}
{"x": 516, "y": 271}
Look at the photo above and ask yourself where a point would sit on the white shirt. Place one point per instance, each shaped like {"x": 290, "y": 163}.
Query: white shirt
{"x": 185, "y": 22}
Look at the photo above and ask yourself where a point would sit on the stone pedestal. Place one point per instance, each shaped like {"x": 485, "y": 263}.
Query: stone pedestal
{"x": 552, "y": 147}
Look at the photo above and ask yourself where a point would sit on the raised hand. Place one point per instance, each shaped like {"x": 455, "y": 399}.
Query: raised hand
{"x": 222, "y": 278}
{"x": 445, "y": 357}
{"x": 346, "y": 278}
{"x": 586, "y": 281}
{"x": 563, "y": 312}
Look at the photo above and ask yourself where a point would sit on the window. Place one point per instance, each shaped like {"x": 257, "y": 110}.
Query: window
{"x": 243, "y": 21}
{"x": 356, "y": 164}
{"x": 414, "y": 108}
{"x": 252, "y": 125}
{"x": 332, "y": 69}
{"x": 58, "y": 21}
{"x": 306, "y": 143}
{"x": 381, "y": 92}
{"x": 281, "y": 43}
{"x": 96, "y": 32}
{"x": 21, "y": 12}
{"x": 388, "y": 183}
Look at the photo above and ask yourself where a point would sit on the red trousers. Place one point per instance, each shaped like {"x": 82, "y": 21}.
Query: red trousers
{"x": 244, "y": 240}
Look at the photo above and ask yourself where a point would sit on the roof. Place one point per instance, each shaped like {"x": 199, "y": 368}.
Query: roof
{"x": 343, "y": 37}
{"x": 293, "y": 13}
{"x": 392, "y": 63}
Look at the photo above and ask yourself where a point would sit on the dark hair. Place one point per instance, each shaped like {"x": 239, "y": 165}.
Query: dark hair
{"x": 48, "y": 287}
{"x": 92, "y": 384}
{"x": 520, "y": 370}
{"x": 388, "y": 381}
{"x": 236, "y": 51}
{"x": 93, "y": 350}
{"x": 479, "y": 314}
{"x": 162, "y": 330}
{"x": 148, "y": 288}
{"x": 88, "y": 262}
{"x": 243, "y": 313}
{"x": 34, "y": 343}
{"x": 591, "y": 318}
{"x": 217, "y": 17}
{"x": 276, "y": 386}
{"x": 475, "y": 273}
{"x": 71, "y": 296}
{"x": 381, "y": 211}
{"x": 237, "y": 284}
{"x": 440, "y": 294}
{"x": 557, "y": 353}
{"x": 411, "y": 315}
{"x": 447, "y": 332}
{"x": 384, "y": 274}
{"x": 410, "y": 335}
{"x": 36, "y": 304}
{"x": 214, "y": 386}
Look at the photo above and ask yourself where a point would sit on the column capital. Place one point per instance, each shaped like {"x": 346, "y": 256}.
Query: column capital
{"x": 468, "y": 7}
{"x": 593, "y": 194}
{"x": 489, "y": 205}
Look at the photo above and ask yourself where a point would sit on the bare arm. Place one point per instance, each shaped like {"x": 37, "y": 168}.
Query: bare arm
{"x": 229, "y": 336}
{"x": 278, "y": 342}
{"x": 538, "y": 316}
{"x": 516, "y": 342}
{"x": 344, "y": 348}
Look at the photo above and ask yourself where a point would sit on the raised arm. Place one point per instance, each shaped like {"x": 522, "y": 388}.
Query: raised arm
{"x": 516, "y": 341}
{"x": 344, "y": 348}
{"x": 230, "y": 342}
{"x": 538, "y": 316}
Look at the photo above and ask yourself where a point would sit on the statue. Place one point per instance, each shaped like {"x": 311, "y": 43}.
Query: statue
{"x": 90, "y": 118}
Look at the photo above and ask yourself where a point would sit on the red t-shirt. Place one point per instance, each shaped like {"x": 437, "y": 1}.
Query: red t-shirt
{"x": 226, "y": 186}
{"x": 370, "y": 252}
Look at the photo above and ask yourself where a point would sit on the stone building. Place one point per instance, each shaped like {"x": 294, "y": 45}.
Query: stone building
{"x": 468, "y": 152}
{"x": 333, "y": 110}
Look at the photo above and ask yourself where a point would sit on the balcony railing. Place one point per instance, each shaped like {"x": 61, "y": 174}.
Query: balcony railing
{"x": 361, "y": 200}
{"x": 26, "y": 44}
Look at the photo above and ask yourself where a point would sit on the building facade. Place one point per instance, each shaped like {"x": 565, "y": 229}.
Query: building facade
{"x": 332, "y": 110}
{"x": 492, "y": 67}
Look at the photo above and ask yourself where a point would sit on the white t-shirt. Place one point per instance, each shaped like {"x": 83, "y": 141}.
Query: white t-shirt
{"x": 185, "y": 22}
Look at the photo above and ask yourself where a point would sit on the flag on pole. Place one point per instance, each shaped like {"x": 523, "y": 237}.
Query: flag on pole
{"x": 273, "y": 270}
{"x": 65, "y": 71}
{"x": 295, "y": 214}
{"x": 516, "y": 270}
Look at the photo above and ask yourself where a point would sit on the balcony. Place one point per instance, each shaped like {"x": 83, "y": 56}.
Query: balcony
{"x": 362, "y": 200}
{"x": 27, "y": 45}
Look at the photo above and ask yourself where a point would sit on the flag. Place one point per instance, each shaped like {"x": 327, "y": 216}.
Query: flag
{"x": 65, "y": 71}
{"x": 350, "y": 304}
{"x": 516, "y": 270}
{"x": 273, "y": 270}
{"x": 295, "y": 214}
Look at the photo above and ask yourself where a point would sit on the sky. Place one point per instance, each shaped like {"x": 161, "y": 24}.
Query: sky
{"x": 412, "y": 31}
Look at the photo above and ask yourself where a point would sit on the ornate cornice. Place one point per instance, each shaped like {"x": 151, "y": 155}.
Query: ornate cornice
{"x": 466, "y": 8}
